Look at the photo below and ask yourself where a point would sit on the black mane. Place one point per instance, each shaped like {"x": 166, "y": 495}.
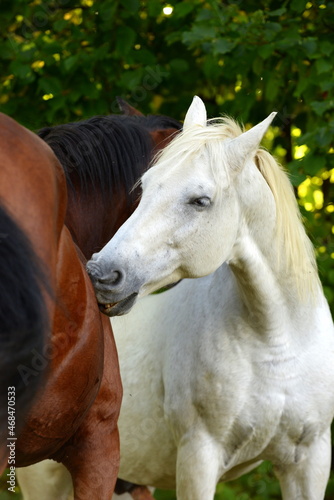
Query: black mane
{"x": 105, "y": 152}
{"x": 23, "y": 317}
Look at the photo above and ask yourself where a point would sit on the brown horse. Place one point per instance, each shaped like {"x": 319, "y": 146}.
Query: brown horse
{"x": 33, "y": 204}
{"x": 74, "y": 419}
{"x": 102, "y": 157}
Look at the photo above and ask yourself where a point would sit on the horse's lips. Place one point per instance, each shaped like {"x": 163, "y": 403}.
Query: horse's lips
{"x": 106, "y": 307}
{"x": 120, "y": 307}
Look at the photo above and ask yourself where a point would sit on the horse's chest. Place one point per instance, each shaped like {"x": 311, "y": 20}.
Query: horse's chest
{"x": 260, "y": 410}
{"x": 270, "y": 426}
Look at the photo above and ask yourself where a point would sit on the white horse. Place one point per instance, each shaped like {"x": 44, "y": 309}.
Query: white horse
{"x": 236, "y": 366}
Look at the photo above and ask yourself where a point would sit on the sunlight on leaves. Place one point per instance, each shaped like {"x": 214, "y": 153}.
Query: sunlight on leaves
{"x": 168, "y": 10}
{"x": 74, "y": 16}
{"x": 300, "y": 151}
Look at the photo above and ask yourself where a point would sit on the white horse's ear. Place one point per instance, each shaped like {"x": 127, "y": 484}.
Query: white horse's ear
{"x": 196, "y": 114}
{"x": 245, "y": 145}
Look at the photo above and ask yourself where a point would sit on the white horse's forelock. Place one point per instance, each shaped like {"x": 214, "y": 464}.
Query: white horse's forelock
{"x": 190, "y": 142}
{"x": 298, "y": 251}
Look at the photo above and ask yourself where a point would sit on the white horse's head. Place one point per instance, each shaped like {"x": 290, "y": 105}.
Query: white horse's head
{"x": 188, "y": 218}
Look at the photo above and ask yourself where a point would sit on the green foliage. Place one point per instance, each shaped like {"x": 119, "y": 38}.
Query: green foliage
{"x": 258, "y": 485}
{"x": 62, "y": 60}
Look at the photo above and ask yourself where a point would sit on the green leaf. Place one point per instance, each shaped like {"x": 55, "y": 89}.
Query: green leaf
{"x": 298, "y": 5}
{"x": 266, "y": 50}
{"x": 171, "y": 38}
{"x": 144, "y": 56}
{"x": 324, "y": 138}
{"x": 8, "y": 49}
{"x": 154, "y": 9}
{"x": 297, "y": 175}
{"x": 277, "y": 12}
{"x": 59, "y": 25}
{"x": 329, "y": 293}
{"x": 199, "y": 34}
{"x": 313, "y": 164}
{"x": 310, "y": 45}
{"x": 331, "y": 276}
{"x": 258, "y": 66}
{"x": 211, "y": 69}
{"x": 288, "y": 42}
{"x": 131, "y": 80}
{"x": 223, "y": 46}
{"x": 181, "y": 9}
{"x": 20, "y": 70}
{"x": 52, "y": 48}
{"x": 319, "y": 107}
{"x": 75, "y": 95}
{"x": 131, "y": 5}
{"x": 125, "y": 39}
{"x": 108, "y": 13}
{"x": 327, "y": 84}
{"x": 302, "y": 86}
{"x": 271, "y": 30}
{"x": 179, "y": 65}
{"x": 71, "y": 62}
{"x": 326, "y": 47}
{"x": 322, "y": 66}
{"x": 50, "y": 85}
{"x": 204, "y": 15}
{"x": 272, "y": 87}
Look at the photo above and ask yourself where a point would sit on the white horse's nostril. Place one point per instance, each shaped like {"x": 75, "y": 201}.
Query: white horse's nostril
{"x": 100, "y": 276}
{"x": 113, "y": 278}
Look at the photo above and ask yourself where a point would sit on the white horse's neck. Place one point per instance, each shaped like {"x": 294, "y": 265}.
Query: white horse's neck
{"x": 258, "y": 283}
{"x": 268, "y": 289}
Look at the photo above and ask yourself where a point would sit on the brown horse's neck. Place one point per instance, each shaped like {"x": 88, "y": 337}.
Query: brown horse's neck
{"x": 93, "y": 221}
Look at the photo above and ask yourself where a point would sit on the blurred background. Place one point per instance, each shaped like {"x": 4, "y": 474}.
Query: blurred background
{"x": 65, "y": 60}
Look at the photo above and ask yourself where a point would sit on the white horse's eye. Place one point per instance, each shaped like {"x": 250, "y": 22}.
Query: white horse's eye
{"x": 202, "y": 202}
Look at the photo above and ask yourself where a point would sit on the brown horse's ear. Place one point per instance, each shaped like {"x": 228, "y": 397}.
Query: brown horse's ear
{"x": 126, "y": 108}
{"x": 162, "y": 137}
